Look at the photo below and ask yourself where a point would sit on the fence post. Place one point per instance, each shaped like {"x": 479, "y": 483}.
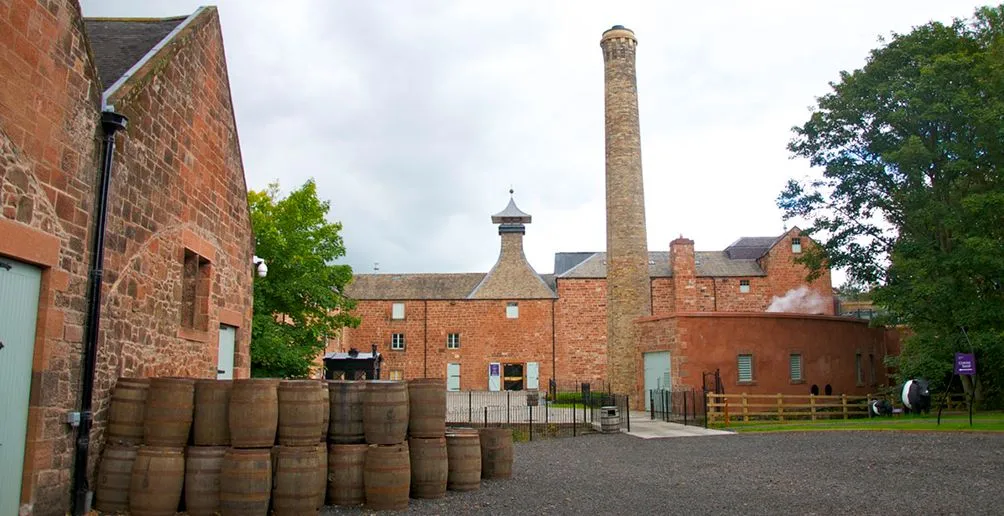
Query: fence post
{"x": 651, "y": 404}
{"x": 705, "y": 401}
{"x": 574, "y": 413}
{"x": 508, "y": 406}
{"x": 746, "y": 409}
{"x": 531, "y": 423}
{"x": 868, "y": 405}
{"x": 843, "y": 401}
{"x": 812, "y": 405}
{"x": 627, "y": 410}
{"x": 780, "y": 407}
{"x": 684, "y": 408}
{"x": 486, "y": 417}
{"x": 470, "y": 406}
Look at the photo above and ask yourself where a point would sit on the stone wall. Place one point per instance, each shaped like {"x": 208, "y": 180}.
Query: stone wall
{"x": 49, "y": 155}
{"x": 784, "y": 274}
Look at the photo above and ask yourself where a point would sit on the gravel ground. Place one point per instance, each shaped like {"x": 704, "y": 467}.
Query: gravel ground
{"x": 793, "y": 473}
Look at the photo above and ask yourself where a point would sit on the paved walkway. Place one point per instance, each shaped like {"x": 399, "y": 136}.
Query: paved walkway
{"x": 643, "y": 427}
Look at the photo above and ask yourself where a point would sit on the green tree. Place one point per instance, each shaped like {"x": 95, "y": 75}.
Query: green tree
{"x": 301, "y": 302}
{"x": 911, "y": 196}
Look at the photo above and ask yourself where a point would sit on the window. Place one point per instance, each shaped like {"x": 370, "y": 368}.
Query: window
{"x": 796, "y": 245}
{"x": 453, "y": 341}
{"x": 397, "y": 311}
{"x": 744, "y": 286}
{"x": 397, "y": 341}
{"x": 745, "y": 368}
{"x": 396, "y": 375}
{"x": 512, "y": 310}
{"x": 195, "y": 286}
{"x": 857, "y": 369}
{"x": 795, "y": 367}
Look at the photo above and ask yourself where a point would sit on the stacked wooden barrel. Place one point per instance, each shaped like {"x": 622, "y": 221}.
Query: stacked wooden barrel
{"x": 387, "y": 469}
{"x": 346, "y": 443}
{"x": 301, "y": 457}
{"x": 158, "y": 472}
{"x": 123, "y": 436}
{"x": 246, "y": 470}
{"x": 210, "y": 440}
{"x": 427, "y": 437}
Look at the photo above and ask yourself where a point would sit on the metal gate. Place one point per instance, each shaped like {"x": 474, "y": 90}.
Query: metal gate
{"x": 19, "y": 289}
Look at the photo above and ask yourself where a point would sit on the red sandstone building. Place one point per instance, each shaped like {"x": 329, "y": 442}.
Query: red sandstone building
{"x": 512, "y": 328}
{"x": 177, "y": 271}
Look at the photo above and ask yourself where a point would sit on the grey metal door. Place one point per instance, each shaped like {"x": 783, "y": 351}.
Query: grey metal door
{"x": 656, "y": 373}
{"x": 225, "y": 360}
{"x": 19, "y": 288}
{"x": 453, "y": 377}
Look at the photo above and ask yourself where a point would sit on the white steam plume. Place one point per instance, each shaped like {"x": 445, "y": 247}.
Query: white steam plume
{"x": 799, "y": 300}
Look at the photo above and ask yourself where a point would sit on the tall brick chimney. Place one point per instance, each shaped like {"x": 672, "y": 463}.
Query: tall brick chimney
{"x": 684, "y": 266}
{"x": 628, "y": 281}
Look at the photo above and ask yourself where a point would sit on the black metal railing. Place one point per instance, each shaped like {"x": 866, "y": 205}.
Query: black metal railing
{"x": 531, "y": 415}
{"x": 680, "y": 405}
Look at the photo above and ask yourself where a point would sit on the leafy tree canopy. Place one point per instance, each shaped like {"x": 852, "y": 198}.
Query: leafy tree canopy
{"x": 301, "y": 302}
{"x": 911, "y": 197}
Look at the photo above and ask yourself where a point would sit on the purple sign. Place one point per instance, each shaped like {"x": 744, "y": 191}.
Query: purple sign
{"x": 493, "y": 369}
{"x": 965, "y": 363}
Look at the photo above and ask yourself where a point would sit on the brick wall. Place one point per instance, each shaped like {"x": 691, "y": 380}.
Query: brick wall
{"x": 178, "y": 188}
{"x": 827, "y": 345}
{"x": 486, "y": 335}
{"x": 683, "y": 264}
{"x": 581, "y": 328}
{"x": 784, "y": 274}
{"x": 49, "y": 99}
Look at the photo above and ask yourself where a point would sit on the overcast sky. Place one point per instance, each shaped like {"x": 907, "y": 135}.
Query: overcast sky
{"x": 415, "y": 116}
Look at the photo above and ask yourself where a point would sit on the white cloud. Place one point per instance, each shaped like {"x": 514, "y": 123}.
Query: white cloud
{"x": 416, "y": 117}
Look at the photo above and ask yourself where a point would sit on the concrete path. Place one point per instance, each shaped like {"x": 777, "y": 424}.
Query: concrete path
{"x": 644, "y": 428}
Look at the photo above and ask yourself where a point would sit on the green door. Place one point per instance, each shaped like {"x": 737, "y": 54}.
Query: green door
{"x": 19, "y": 286}
{"x": 657, "y": 375}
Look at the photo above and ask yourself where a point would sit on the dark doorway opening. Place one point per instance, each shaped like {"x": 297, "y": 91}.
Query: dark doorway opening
{"x": 512, "y": 377}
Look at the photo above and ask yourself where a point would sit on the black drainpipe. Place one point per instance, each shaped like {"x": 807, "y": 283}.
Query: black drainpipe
{"x": 111, "y": 123}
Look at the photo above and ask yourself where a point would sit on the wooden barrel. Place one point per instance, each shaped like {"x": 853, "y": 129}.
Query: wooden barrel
{"x": 321, "y": 473}
{"x": 168, "y": 412}
{"x": 295, "y": 489}
{"x": 114, "y": 474}
{"x": 385, "y": 412}
{"x": 203, "y": 465}
{"x": 246, "y": 481}
{"x": 387, "y": 477}
{"x": 496, "y": 452}
{"x": 301, "y": 412}
{"x": 126, "y": 412}
{"x": 429, "y": 471}
{"x": 345, "y": 425}
{"x": 427, "y": 407}
{"x": 253, "y": 413}
{"x": 345, "y": 474}
{"x": 158, "y": 473}
{"x": 211, "y": 425}
{"x": 463, "y": 450}
{"x": 326, "y": 410}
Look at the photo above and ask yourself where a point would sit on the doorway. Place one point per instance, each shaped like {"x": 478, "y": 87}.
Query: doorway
{"x": 512, "y": 377}
{"x": 19, "y": 293}
{"x": 453, "y": 377}
{"x": 225, "y": 360}
{"x": 657, "y": 374}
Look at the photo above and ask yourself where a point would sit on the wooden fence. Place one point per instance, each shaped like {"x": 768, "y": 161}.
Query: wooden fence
{"x": 742, "y": 407}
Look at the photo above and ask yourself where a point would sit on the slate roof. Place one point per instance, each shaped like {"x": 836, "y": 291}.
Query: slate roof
{"x": 709, "y": 263}
{"x": 119, "y": 43}
{"x": 750, "y": 248}
{"x": 413, "y": 286}
{"x": 511, "y": 213}
{"x": 565, "y": 261}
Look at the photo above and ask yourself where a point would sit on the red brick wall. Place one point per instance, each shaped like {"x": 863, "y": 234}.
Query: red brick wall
{"x": 728, "y": 298}
{"x": 705, "y": 342}
{"x": 683, "y": 264}
{"x": 49, "y": 101}
{"x": 581, "y": 319}
{"x": 486, "y": 336}
{"x": 178, "y": 185}
{"x": 783, "y": 274}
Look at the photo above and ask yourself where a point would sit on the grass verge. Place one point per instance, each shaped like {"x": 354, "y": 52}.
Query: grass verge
{"x": 985, "y": 422}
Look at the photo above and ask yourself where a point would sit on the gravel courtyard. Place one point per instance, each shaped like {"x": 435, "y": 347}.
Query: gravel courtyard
{"x": 792, "y": 473}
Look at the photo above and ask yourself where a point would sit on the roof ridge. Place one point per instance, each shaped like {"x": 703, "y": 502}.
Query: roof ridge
{"x": 138, "y": 20}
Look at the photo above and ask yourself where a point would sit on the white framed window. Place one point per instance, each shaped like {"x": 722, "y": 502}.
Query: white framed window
{"x": 857, "y": 369}
{"x": 512, "y": 310}
{"x": 396, "y": 374}
{"x": 397, "y": 311}
{"x": 795, "y": 367}
{"x": 453, "y": 341}
{"x": 744, "y": 286}
{"x": 745, "y": 367}
{"x": 397, "y": 341}
{"x": 796, "y": 245}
